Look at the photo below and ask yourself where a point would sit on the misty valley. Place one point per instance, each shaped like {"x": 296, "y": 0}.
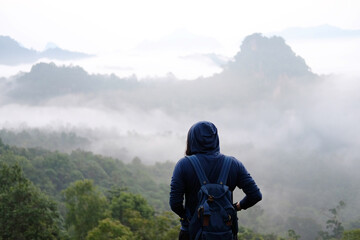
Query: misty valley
{"x": 70, "y": 139}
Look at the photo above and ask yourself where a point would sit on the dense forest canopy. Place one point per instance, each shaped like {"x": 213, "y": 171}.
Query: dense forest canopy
{"x": 113, "y": 194}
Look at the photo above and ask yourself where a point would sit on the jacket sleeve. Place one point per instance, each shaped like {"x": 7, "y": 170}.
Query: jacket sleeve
{"x": 177, "y": 191}
{"x": 248, "y": 186}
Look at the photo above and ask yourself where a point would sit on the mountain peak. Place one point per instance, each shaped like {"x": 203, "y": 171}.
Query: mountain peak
{"x": 268, "y": 57}
{"x": 12, "y": 53}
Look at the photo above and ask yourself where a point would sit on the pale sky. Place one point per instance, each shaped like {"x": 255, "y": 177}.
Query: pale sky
{"x": 111, "y": 29}
{"x": 107, "y": 25}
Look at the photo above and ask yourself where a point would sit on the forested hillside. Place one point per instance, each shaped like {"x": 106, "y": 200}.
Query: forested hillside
{"x": 128, "y": 199}
{"x": 110, "y": 188}
{"x": 54, "y": 171}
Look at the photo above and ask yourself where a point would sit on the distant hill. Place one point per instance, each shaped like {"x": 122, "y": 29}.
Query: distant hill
{"x": 46, "y": 80}
{"x": 12, "y": 53}
{"x": 262, "y": 64}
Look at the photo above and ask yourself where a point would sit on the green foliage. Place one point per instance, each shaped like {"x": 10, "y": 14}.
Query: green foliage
{"x": 86, "y": 206}
{"x": 25, "y": 212}
{"x": 51, "y": 140}
{"x": 146, "y": 184}
{"x": 133, "y": 211}
{"x": 292, "y": 235}
{"x": 333, "y": 224}
{"x": 130, "y": 202}
{"x": 166, "y": 226}
{"x": 54, "y": 171}
{"x": 351, "y": 235}
{"x": 248, "y": 234}
{"x": 110, "y": 229}
{"x": 88, "y": 214}
{"x": 137, "y": 196}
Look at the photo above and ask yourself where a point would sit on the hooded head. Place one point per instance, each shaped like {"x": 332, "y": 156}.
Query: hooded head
{"x": 202, "y": 138}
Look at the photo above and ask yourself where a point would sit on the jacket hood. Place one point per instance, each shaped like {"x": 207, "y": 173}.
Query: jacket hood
{"x": 203, "y": 138}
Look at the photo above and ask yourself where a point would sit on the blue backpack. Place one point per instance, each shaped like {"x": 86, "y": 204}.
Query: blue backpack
{"x": 215, "y": 217}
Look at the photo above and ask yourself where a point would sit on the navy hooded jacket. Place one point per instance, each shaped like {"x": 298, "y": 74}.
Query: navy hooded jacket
{"x": 203, "y": 141}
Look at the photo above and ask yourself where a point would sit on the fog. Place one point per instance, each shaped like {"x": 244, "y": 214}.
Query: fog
{"x": 295, "y": 131}
{"x": 329, "y": 56}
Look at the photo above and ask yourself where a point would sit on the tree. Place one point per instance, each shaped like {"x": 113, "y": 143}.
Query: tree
{"x": 25, "y": 212}
{"x": 248, "y": 234}
{"x": 110, "y": 229}
{"x": 85, "y": 205}
{"x": 333, "y": 224}
{"x": 166, "y": 226}
{"x": 127, "y": 201}
{"x": 292, "y": 235}
{"x": 133, "y": 211}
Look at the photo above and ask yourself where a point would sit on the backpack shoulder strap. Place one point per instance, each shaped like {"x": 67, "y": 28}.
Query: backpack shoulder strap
{"x": 198, "y": 169}
{"x": 224, "y": 170}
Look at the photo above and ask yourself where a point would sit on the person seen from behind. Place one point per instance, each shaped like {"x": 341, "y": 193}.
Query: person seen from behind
{"x": 200, "y": 220}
